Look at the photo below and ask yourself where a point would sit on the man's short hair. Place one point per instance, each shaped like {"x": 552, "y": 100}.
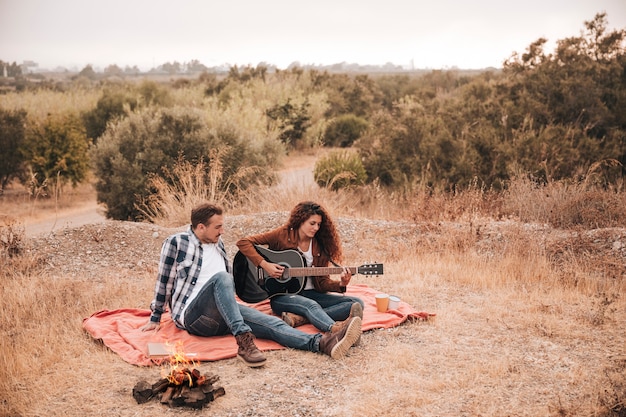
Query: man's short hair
{"x": 203, "y": 213}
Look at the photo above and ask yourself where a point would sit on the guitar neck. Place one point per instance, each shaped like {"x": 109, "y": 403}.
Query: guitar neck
{"x": 318, "y": 271}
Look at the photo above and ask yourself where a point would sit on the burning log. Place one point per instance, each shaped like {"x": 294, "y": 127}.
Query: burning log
{"x": 167, "y": 395}
{"x": 181, "y": 388}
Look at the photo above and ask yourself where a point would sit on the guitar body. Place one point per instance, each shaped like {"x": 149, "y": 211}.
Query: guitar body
{"x": 253, "y": 285}
{"x": 286, "y": 284}
{"x": 247, "y": 284}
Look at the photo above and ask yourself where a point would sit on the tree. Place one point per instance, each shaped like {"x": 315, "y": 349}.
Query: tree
{"x": 13, "y": 70}
{"x": 292, "y": 121}
{"x": 150, "y": 143}
{"x": 344, "y": 130}
{"x": 171, "y": 67}
{"x": 56, "y": 151}
{"x": 12, "y": 136}
{"x": 88, "y": 73}
{"x": 110, "y": 106}
{"x": 571, "y": 101}
{"x": 152, "y": 94}
{"x": 113, "y": 70}
{"x": 196, "y": 66}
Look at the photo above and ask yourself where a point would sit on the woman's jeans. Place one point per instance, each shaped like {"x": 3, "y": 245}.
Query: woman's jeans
{"x": 215, "y": 312}
{"x": 322, "y": 309}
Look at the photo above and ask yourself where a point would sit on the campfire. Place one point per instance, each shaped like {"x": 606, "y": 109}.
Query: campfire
{"x": 180, "y": 386}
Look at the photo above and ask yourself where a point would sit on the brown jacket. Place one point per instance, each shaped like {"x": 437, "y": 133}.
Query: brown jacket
{"x": 283, "y": 238}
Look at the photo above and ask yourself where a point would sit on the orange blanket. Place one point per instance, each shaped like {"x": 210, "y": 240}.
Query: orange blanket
{"x": 119, "y": 330}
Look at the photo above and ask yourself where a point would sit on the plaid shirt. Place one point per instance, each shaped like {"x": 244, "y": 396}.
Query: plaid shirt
{"x": 179, "y": 268}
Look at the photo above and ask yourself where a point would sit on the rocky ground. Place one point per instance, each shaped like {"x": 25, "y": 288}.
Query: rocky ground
{"x": 90, "y": 247}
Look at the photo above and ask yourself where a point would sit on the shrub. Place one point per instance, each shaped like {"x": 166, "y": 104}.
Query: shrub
{"x": 338, "y": 170}
{"x": 344, "y": 130}
{"x": 292, "y": 121}
{"x": 152, "y": 94}
{"x": 12, "y": 136}
{"x": 137, "y": 146}
{"x": 149, "y": 143}
{"x": 11, "y": 239}
{"x": 57, "y": 151}
{"x": 110, "y": 106}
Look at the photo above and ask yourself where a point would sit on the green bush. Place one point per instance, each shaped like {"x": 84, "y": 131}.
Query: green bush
{"x": 12, "y": 136}
{"x": 110, "y": 106}
{"x": 143, "y": 144}
{"x": 344, "y": 130}
{"x": 152, "y": 142}
{"x": 152, "y": 94}
{"x": 339, "y": 170}
{"x": 292, "y": 121}
{"x": 57, "y": 150}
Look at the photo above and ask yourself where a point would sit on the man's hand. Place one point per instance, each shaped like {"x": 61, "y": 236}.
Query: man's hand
{"x": 151, "y": 325}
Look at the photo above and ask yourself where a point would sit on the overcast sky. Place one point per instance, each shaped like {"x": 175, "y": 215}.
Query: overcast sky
{"x": 426, "y": 34}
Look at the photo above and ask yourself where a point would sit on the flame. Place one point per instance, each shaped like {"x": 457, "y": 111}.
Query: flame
{"x": 177, "y": 371}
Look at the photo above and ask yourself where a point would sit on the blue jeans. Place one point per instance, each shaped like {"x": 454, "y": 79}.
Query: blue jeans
{"x": 215, "y": 312}
{"x": 322, "y": 309}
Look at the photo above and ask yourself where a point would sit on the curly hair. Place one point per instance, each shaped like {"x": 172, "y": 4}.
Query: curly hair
{"x": 327, "y": 235}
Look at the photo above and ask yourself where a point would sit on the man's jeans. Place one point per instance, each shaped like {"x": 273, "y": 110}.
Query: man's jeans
{"x": 322, "y": 309}
{"x": 215, "y": 312}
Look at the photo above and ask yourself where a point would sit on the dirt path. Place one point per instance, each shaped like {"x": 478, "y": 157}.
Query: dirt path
{"x": 88, "y": 213}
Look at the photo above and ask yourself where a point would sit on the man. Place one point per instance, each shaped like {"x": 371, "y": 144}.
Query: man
{"x": 195, "y": 283}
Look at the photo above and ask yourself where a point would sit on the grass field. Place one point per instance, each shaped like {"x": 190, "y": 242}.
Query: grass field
{"x": 529, "y": 317}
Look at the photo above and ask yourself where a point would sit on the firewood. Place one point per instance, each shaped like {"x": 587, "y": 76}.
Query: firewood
{"x": 189, "y": 397}
{"x": 213, "y": 392}
{"x": 160, "y": 385}
{"x": 195, "y": 395}
{"x": 211, "y": 379}
{"x": 142, "y": 392}
{"x": 167, "y": 395}
{"x": 218, "y": 392}
{"x": 184, "y": 387}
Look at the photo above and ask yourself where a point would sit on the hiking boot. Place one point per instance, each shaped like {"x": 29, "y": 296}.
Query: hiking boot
{"x": 356, "y": 310}
{"x": 336, "y": 343}
{"x": 294, "y": 320}
{"x": 248, "y": 352}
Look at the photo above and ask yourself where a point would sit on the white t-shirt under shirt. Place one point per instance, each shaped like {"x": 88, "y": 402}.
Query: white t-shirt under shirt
{"x": 212, "y": 263}
{"x": 308, "y": 257}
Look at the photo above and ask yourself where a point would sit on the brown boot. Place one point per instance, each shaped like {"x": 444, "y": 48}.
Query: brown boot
{"x": 294, "y": 320}
{"x": 355, "y": 311}
{"x": 248, "y": 352}
{"x": 336, "y": 344}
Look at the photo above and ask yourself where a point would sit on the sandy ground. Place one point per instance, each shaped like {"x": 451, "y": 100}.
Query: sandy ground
{"x": 88, "y": 213}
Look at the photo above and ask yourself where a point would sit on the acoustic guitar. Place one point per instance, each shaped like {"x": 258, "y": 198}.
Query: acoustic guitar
{"x": 252, "y": 284}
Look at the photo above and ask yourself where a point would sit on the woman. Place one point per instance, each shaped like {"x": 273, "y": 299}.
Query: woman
{"x": 311, "y": 231}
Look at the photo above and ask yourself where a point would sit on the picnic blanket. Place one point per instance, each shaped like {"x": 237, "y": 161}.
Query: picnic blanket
{"x": 120, "y": 331}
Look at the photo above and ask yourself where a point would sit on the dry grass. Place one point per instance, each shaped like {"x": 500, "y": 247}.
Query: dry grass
{"x": 18, "y": 203}
{"x": 530, "y": 319}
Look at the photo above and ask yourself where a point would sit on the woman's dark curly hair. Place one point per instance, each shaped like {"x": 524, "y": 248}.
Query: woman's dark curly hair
{"x": 327, "y": 235}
